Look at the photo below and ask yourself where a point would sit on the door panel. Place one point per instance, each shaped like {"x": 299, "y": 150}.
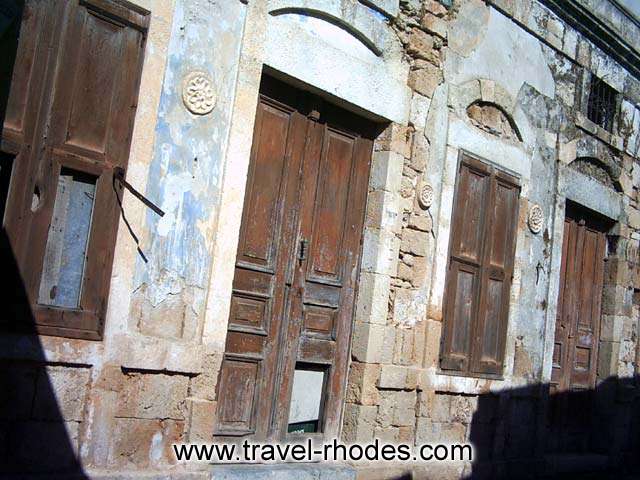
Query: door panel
{"x": 258, "y": 289}
{"x": 573, "y": 375}
{"x": 296, "y": 271}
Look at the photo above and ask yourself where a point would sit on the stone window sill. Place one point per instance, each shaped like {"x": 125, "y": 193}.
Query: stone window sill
{"x": 609, "y": 138}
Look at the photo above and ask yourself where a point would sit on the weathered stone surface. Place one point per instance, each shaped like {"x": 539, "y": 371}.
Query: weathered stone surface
{"x": 463, "y": 407}
{"x": 359, "y": 422}
{"x": 420, "y": 44}
{"x": 144, "y": 443}
{"x": 435, "y": 25}
{"x": 414, "y": 242}
{"x": 372, "y": 343}
{"x": 441, "y": 408}
{"x": 421, "y": 222}
{"x": 201, "y": 420}
{"x": 61, "y": 393}
{"x": 361, "y": 387}
{"x": 392, "y": 377}
{"x": 428, "y": 431}
{"x": 425, "y": 79}
{"x": 153, "y": 396}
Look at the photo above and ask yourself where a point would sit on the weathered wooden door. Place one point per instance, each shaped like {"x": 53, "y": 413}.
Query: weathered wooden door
{"x": 296, "y": 269}
{"x": 577, "y": 331}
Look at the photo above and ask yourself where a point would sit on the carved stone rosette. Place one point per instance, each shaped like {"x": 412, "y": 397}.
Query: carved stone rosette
{"x": 198, "y": 94}
{"x": 536, "y": 219}
{"x": 425, "y": 194}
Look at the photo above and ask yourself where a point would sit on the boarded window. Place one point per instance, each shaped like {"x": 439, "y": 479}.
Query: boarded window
{"x": 480, "y": 269}
{"x": 64, "y": 257}
{"x": 68, "y": 125}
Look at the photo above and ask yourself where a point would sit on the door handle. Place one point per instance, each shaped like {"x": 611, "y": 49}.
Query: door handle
{"x": 303, "y": 249}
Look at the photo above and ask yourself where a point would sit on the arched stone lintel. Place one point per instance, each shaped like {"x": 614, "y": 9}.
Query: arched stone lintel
{"x": 588, "y": 147}
{"x": 356, "y": 19}
{"x": 482, "y": 90}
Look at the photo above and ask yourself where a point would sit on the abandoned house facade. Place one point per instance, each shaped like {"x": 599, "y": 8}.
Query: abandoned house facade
{"x": 411, "y": 220}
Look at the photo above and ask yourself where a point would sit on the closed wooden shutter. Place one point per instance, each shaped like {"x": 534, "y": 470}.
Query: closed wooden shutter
{"x": 69, "y": 124}
{"x": 482, "y": 248}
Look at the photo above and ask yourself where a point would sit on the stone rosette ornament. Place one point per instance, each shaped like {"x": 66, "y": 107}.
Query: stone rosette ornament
{"x": 425, "y": 194}
{"x": 536, "y": 218}
{"x": 197, "y": 93}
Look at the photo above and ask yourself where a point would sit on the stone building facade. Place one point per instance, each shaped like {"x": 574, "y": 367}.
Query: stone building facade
{"x": 504, "y": 81}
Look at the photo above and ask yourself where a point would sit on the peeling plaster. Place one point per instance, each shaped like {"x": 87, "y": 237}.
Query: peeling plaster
{"x": 186, "y": 171}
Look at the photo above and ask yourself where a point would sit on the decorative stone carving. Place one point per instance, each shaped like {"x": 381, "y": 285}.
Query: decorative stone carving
{"x": 536, "y": 219}
{"x": 198, "y": 94}
{"x": 425, "y": 194}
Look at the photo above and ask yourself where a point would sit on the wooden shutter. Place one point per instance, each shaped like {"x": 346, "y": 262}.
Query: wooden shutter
{"x": 82, "y": 61}
{"x": 482, "y": 248}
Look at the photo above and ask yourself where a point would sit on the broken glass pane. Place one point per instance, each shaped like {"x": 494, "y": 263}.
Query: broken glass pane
{"x": 64, "y": 259}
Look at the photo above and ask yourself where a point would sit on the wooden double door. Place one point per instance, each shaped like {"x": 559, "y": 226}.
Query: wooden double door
{"x": 577, "y": 333}
{"x": 296, "y": 272}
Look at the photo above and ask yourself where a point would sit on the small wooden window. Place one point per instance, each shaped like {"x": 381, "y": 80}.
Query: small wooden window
{"x": 67, "y": 130}
{"x": 481, "y": 256}
{"x": 601, "y": 105}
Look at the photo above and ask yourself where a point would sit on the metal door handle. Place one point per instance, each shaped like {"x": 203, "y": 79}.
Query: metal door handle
{"x": 303, "y": 249}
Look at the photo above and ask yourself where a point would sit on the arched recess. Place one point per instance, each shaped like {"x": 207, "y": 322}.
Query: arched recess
{"x": 489, "y": 94}
{"x": 492, "y": 118}
{"x": 604, "y": 172}
{"x": 591, "y": 156}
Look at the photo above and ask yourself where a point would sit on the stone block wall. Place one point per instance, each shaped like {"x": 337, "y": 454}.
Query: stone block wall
{"x": 395, "y": 389}
{"x": 120, "y": 403}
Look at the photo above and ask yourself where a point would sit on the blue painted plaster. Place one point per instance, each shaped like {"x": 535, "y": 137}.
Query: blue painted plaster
{"x": 186, "y": 169}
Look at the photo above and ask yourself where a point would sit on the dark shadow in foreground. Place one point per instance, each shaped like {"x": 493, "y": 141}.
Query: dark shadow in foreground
{"x": 527, "y": 433}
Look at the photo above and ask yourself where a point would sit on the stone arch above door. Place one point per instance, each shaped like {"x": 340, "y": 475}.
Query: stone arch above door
{"x": 342, "y": 48}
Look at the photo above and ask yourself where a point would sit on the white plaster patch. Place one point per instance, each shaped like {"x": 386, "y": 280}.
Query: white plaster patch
{"x": 505, "y": 155}
{"x": 375, "y": 84}
{"x": 155, "y": 451}
{"x": 332, "y": 34}
{"x": 174, "y": 189}
{"x": 508, "y": 55}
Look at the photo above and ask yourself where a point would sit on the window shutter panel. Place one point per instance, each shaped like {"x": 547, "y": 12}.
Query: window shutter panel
{"x": 88, "y": 71}
{"x": 465, "y": 263}
{"x": 497, "y": 271}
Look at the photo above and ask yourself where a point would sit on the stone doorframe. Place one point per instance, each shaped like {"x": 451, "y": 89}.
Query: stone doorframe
{"x": 587, "y": 192}
{"x": 275, "y": 43}
{"x": 452, "y": 132}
